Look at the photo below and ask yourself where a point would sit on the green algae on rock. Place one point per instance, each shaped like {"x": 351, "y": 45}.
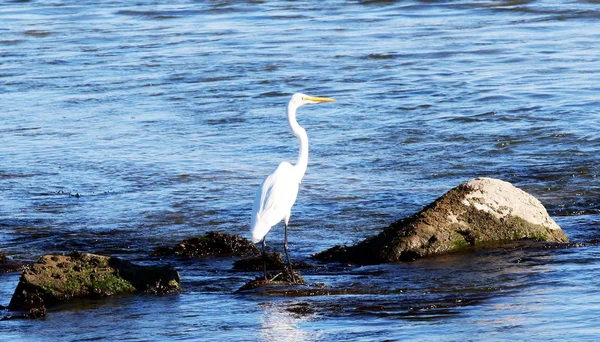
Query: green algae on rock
{"x": 480, "y": 211}
{"x": 58, "y": 278}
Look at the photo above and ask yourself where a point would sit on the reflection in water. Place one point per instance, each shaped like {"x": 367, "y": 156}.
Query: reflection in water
{"x": 279, "y": 324}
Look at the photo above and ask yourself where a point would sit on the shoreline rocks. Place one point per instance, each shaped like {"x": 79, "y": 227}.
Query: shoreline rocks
{"x": 480, "y": 211}
{"x": 56, "y": 279}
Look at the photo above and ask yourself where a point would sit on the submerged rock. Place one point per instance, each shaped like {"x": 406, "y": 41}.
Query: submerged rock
{"x": 480, "y": 211}
{"x": 212, "y": 243}
{"x": 9, "y": 265}
{"x": 58, "y": 278}
{"x": 282, "y": 278}
{"x": 279, "y": 274}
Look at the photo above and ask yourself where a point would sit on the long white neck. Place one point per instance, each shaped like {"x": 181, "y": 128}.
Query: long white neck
{"x": 300, "y": 133}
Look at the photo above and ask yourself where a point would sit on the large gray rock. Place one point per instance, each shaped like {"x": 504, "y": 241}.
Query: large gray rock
{"x": 58, "y": 278}
{"x": 479, "y": 211}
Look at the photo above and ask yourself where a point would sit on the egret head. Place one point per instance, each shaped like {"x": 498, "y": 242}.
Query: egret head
{"x": 299, "y": 99}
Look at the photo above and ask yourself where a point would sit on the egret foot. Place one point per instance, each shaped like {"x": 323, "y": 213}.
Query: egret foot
{"x": 287, "y": 254}
{"x": 264, "y": 253}
{"x": 284, "y": 277}
{"x": 292, "y": 278}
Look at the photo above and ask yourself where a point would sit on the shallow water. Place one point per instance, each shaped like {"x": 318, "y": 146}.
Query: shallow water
{"x": 125, "y": 127}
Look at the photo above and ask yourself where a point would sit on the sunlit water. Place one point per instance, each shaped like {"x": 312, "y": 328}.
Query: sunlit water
{"x": 130, "y": 125}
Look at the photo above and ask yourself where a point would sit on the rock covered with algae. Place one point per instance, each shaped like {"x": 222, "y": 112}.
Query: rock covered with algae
{"x": 211, "y": 243}
{"x": 477, "y": 212}
{"x": 59, "y": 278}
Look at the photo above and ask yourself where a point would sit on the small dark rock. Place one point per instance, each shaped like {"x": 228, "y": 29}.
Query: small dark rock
{"x": 260, "y": 286}
{"x": 33, "y": 313}
{"x": 9, "y": 265}
{"x": 274, "y": 261}
{"x": 36, "y": 312}
{"x": 281, "y": 278}
{"x": 212, "y": 243}
{"x": 301, "y": 309}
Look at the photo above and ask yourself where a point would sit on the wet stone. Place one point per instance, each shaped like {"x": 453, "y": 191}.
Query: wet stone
{"x": 279, "y": 288}
{"x": 480, "y": 212}
{"x": 282, "y": 278}
{"x": 274, "y": 261}
{"x": 33, "y": 313}
{"x": 212, "y": 243}
{"x": 9, "y": 265}
{"x": 59, "y": 278}
{"x": 301, "y": 309}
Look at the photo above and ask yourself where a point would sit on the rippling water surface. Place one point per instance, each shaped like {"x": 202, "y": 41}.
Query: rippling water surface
{"x": 129, "y": 125}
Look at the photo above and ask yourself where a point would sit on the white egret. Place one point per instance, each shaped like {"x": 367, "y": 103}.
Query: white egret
{"x": 277, "y": 193}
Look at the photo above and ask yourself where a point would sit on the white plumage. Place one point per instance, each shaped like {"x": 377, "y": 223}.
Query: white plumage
{"x": 274, "y": 200}
{"x": 277, "y": 193}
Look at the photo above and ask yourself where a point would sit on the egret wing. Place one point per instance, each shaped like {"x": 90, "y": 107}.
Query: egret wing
{"x": 274, "y": 200}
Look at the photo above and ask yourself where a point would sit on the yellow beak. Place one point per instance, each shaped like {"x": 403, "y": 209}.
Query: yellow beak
{"x": 319, "y": 99}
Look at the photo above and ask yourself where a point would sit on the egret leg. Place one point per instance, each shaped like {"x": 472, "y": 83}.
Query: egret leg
{"x": 264, "y": 253}
{"x": 287, "y": 254}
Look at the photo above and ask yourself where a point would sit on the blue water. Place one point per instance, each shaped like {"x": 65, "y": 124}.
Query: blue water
{"x": 126, "y": 126}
